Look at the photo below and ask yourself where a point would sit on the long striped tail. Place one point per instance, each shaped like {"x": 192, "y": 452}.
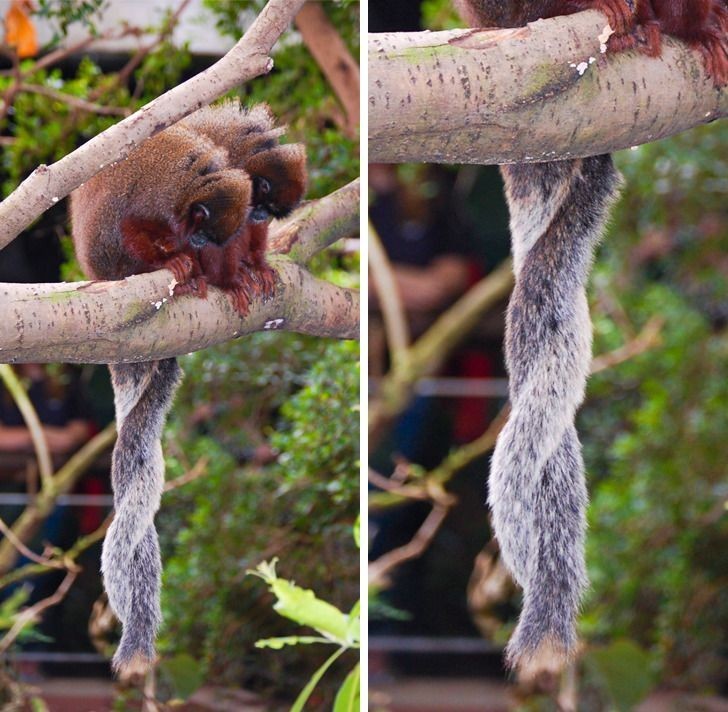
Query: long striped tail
{"x": 537, "y": 491}
{"x": 130, "y": 560}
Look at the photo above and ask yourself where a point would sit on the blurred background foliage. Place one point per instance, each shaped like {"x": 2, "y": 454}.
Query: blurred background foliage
{"x": 655, "y": 426}
{"x": 272, "y": 420}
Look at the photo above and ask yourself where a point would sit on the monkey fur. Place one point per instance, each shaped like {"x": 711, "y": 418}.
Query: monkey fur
{"x": 195, "y": 199}
{"x": 537, "y": 490}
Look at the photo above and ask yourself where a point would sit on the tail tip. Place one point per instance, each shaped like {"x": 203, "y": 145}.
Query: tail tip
{"x": 131, "y": 663}
{"x": 549, "y": 656}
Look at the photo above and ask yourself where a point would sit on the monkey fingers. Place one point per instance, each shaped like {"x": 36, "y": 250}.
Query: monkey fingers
{"x": 240, "y": 299}
{"x": 647, "y": 38}
{"x": 196, "y": 286}
{"x": 182, "y": 266}
{"x": 265, "y": 275}
{"x": 715, "y": 57}
{"x": 618, "y": 12}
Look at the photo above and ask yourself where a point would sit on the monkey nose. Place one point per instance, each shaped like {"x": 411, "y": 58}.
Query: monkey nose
{"x": 258, "y": 214}
{"x": 199, "y": 239}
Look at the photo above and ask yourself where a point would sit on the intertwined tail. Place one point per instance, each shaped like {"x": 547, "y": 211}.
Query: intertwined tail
{"x": 130, "y": 560}
{"x": 537, "y": 490}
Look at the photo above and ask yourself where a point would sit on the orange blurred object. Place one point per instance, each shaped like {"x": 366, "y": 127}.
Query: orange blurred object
{"x": 20, "y": 30}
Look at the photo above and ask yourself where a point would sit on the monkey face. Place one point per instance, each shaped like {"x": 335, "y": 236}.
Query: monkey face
{"x": 279, "y": 179}
{"x": 216, "y": 207}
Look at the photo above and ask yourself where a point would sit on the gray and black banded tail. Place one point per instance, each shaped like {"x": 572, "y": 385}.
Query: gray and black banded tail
{"x": 130, "y": 562}
{"x": 537, "y": 491}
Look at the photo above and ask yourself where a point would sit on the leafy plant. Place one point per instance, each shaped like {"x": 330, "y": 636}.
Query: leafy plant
{"x": 334, "y": 628}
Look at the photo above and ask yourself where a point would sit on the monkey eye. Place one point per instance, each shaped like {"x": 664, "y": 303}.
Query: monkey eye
{"x": 261, "y": 187}
{"x": 199, "y": 213}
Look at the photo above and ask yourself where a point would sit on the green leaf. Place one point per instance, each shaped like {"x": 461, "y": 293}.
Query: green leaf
{"x": 347, "y": 698}
{"x": 278, "y": 643}
{"x": 302, "y": 606}
{"x": 38, "y": 705}
{"x": 623, "y": 669}
{"x": 311, "y": 684}
{"x": 353, "y": 628}
{"x": 183, "y": 673}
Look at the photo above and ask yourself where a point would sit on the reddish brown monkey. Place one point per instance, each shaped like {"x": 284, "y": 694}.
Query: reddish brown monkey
{"x": 194, "y": 199}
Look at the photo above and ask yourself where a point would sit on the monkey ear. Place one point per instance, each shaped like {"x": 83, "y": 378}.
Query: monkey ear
{"x": 279, "y": 177}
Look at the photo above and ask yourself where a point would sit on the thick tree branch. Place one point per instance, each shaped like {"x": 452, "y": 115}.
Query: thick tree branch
{"x": 48, "y": 184}
{"x": 136, "y": 320}
{"x": 540, "y": 92}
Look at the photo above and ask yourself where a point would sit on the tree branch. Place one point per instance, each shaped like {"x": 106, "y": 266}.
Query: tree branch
{"x": 32, "y": 613}
{"x": 426, "y": 355}
{"x": 74, "y": 101}
{"x": 136, "y": 320}
{"x": 393, "y": 313}
{"x": 380, "y": 569}
{"x": 25, "y": 525}
{"x": 334, "y": 59}
{"x": 518, "y": 95}
{"x": 48, "y": 184}
{"x": 318, "y": 224}
{"x": 32, "y": 421}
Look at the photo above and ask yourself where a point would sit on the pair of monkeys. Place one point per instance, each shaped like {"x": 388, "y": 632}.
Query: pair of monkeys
{"x": 195, "y": 199}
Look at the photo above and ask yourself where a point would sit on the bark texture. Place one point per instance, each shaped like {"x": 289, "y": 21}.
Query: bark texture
{"x": 537, "y": 93}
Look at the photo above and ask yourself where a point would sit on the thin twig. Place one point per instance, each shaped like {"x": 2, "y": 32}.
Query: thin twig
{"x": 32, "y": 421}
{"x": 465, "y": 454}
{"x": 379, "y": 569}
{"x": 25, "y": 551}
{"x": 64, "y": 560}
{"x": 648, "y": 337}
{"x": 32, "y": 614}
{"x": 395, "y": 321}
{"x": 126, "y": 71}
{"x": 74, "y": 101}
{"x": 198, "y": 470}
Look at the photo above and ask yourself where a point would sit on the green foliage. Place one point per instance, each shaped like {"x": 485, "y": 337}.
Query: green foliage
{"x": 64, "y": 13}
{"x": 620, "y": 674}
{"x": 300, "y": 508}
{"x": 330, "y": 451}
{"x": 9, "y": 609}
{"x": 303, "y": 607}
{"x": 656, "y": 424}
{"x": 440, "y": 15}
{"x": 181, "y": 675}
